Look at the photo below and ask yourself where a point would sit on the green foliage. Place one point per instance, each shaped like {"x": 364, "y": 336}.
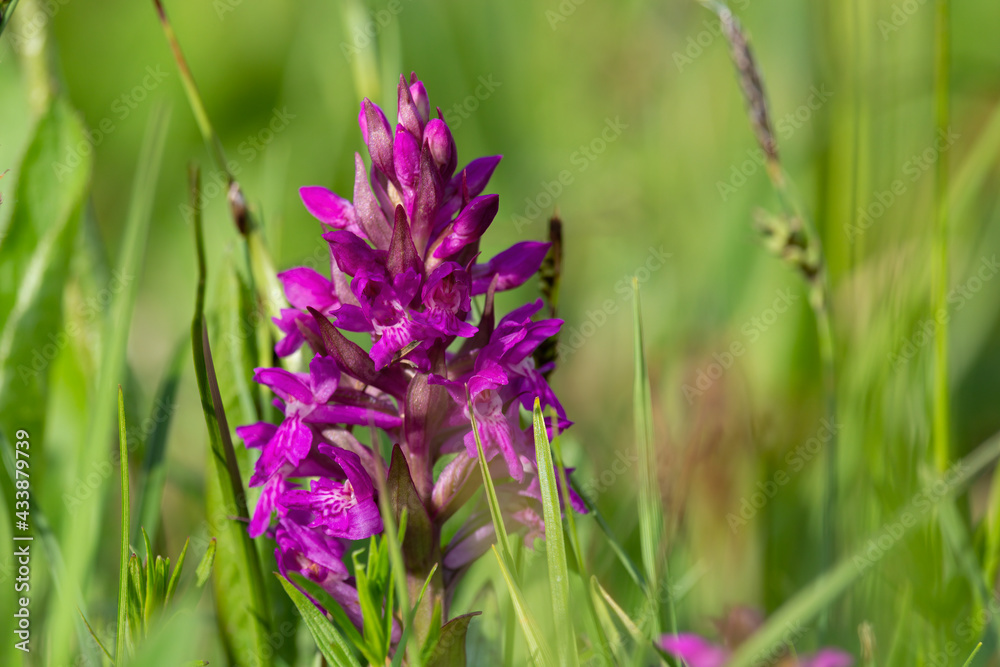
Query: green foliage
{"x": 239, "y": 587}
{"x": 331, "y": 644}
{"x": 905, "y": 396}
{"x": 35, "y": 248}
{"x": 555, "y": 544}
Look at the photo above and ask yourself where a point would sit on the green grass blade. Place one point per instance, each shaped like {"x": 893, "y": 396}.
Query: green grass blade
{"x": 540, "y": 652}
{"x": 572, "y": 534}
{"x": 417, "y": 657}
{"x": 204, "y": 569}
{"x": 176, "y": 574}
{"x": 564, "y": 489}
{"x": 939, "y": 261}
{"x": 331, "y": 644}
{"x": 973, "y": 656}
{"x": 97, "y": 639}
{"x": 226, "y": 469}
{"x": 370, "y": 602}
{"x": 151, "y": 582}
{"x": 136, "y": 599}
{"x": 630, "y": 567}
{"x": 191, "y": 90}
{"x": 154, "y": 471}
{"x": 124, "y": 551}
{"x": 991, "y": 559}
{"x": 631, "y": 626}
{"x": 815, "y": 597}
{"x": 263, "y": 274}
{"x": 491, "y": 496}
{"x": 614, "y": 652}
{"x": 80, "y": 532}
{"x": 555, "y": 544}
{"x": 650, "y": 509}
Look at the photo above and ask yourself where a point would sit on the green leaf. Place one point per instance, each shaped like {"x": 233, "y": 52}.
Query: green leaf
{"x": 151, "y": 582}
{"x": 331, "y": 644}
{"x": 449, "y": 649}
{"x": 541, "y": 654}
{"x": 176, "y": 574}
{"x": 136, "y": 599}
{"x": 555, "y": 545}
{"x": 613, "y": 650}
{"x": 630, "y": 625}
{"x": 204, "y": 569}
{"x": 430, "y": 643}
{"x": 418, "y": 543}
{"x": 491, "y": 497}
{"x": 124, "y": 550}
{"x": 262, "y": 271}
{"x": 339, "y": 616}
{"x": 574, "y": 539}
{"x": 240, "y": 595}
{"x": 170, "y": 642}
{"x": 650, "y": 504}
{"x": 370, "y": 597}
{"x": 417, "y": 659}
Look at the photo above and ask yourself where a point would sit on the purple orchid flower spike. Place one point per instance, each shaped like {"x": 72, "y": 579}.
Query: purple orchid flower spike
{"x": 405, "y": 270}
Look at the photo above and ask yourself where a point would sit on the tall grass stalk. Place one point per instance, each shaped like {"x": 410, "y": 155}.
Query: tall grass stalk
{"x": 222, "y": 454}
{"x": 939, "y": 275}
{"x": 650, "y": 501}
{"x": 794, "y": 238}
{"x": 124, "y": 546}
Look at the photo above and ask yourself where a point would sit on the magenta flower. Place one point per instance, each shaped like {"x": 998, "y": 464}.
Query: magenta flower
{"x": 343, "y": 509}
{"x": 739, "y": 624}
{"x": 307, "y": 400}
{"x": 405, "y": 269}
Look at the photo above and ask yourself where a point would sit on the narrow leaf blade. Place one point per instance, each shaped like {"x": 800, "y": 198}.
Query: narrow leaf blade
{"x": 331, "y": 644}
{"x": 555, "y": 545}
{"x": 124, "y": 551}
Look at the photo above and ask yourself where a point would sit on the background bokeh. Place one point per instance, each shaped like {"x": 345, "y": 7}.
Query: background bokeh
{"x": 673, "y": 175}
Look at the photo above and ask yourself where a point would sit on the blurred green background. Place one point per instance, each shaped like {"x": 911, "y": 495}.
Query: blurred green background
{"x": 674, "y": 174}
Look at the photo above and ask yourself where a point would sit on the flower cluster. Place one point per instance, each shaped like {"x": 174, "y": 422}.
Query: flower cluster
{"x": 405, "y": 268}
{"x": 738, "y": 625}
